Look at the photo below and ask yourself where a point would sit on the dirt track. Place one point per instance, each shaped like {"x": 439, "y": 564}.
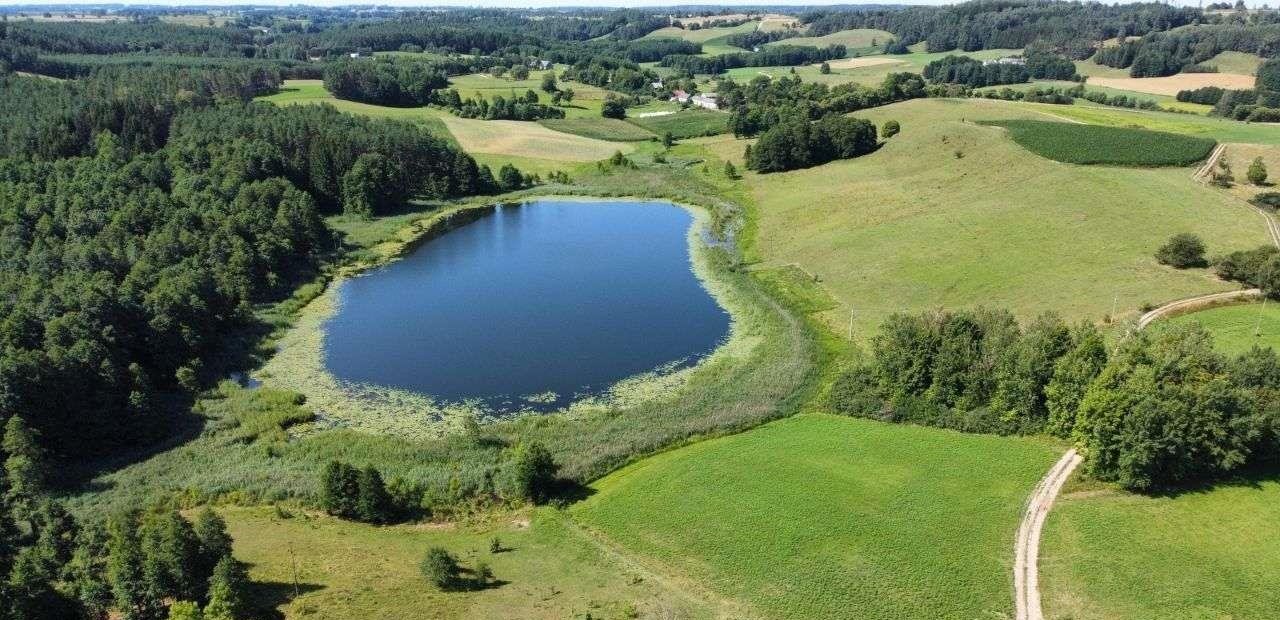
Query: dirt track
{"x": 1026, "y": 566}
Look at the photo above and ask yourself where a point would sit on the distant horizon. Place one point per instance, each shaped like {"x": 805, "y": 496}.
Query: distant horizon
{"x": 533, "y": 4}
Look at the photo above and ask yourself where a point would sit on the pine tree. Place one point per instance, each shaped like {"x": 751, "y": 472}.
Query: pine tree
{"x": 214, "y": 544}
{"x": 171, "y": 553}
{"x": 227, "y": 599}
{"x": 87, "y": 572}
{"x": 185, "y": 610}
{"x": 373, "y": 504}
{"x": 24, "y": 469}
{"x": 134, "y": 596}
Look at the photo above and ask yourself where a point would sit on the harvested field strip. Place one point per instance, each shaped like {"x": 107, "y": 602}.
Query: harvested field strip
{"x": 1170, "y": 85}
{"x": 523, "y": 139}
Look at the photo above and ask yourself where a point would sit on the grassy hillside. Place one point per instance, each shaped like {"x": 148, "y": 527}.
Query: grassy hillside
{"x": 815, "y": 516}
{"x": 689, "y": 123}
{"x": 868, "y": 70}
{"x": 1238, "y": 328}
{"x": 950, "y": 213}
{"x": 546, "y": 569}
{"x": 853, "y": 39}
{"x": 1075, "y": 143}
{"x": 599, "y": 128}
{"x": 312, "y": 92}
{"x": 1204, "y": 554}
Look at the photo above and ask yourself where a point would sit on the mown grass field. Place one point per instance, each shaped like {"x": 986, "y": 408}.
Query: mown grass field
{"x": 547, "y": 569}
{"x": 691, "y": 123}
{"x": 1074, "y": 143}
{"x": 912, "y": 226}
{"x": 858, "y": 38}
{"x": 1237, "y": 328}
{"x": 1201, "y": 555}
{"x": 599, "y": 128}
{"x": 821, "y": 516}
{"x": 1236, "y": 62}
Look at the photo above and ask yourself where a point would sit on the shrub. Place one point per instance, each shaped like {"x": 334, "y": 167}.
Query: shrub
{"x": 1269, "y": 200}
{"x": 890, "y": 129}
{"x": 613, "y": 107}
{"x": 1257, "y": 173}
{"x": 441, "y": 569}
{"x": 1182, "y": 251}
{"x": 532, "y": 472}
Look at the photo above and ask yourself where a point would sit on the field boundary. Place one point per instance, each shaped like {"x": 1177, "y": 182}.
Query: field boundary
{"x": 1208, "y": 164}
{"x": 1192, "y": 304}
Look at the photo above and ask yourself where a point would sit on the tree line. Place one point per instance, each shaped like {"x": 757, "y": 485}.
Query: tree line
{"x": 132, "y": 565}
{"x": 774, "y": 55}
{"x": 1184, "y": 50}
{"x": 798, "y": 143}
{"x": 1161, "y": 409}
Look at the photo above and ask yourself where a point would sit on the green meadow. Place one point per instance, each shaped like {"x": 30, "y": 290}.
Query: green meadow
{"x": 953, "y": 214}
{"x": 855, "y": 39}
{"x": 1205, "y": 554}
{"x": 1237, "y": 328}
{"x": 815, "y": 516}
{"x": 691, "y": 123}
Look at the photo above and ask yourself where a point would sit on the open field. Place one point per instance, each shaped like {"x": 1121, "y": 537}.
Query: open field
{"x": 690, "y": 123}
{"x": 1170, "y": 85}
{"x": 1165, "y": 101}
{"x": 853, "y": 39}
{"x": 702, "y": 35}
{"x": 1200, "y": 555}
{"x": 302, "y": 92}
{"x": 587, "y": 99}
{"x": 351, "y": 570}
{"x": 1237, "y": 328}
{"x": 816, "y": 515}
{"x": 1075, "y": 143}
{"x": 599, "y": 128}
{"x": 1236, "y": 62}
{"x": 526, "y": 139}
{"x": 1219, "y": 129}
{"x": 912, "y": 226}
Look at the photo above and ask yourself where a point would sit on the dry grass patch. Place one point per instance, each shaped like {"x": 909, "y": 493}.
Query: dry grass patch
{"x": 852, "y": 39}
{"x": 1170, "y": 85}
{"x": 524, "y": 139}
{"x": 866, "y": 61}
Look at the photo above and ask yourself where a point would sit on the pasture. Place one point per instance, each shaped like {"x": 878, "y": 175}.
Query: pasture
{"x": 1236, "y": 62}
{"x": 1074, "y": 143}
{"x": 1237, "y": 328}
{"x": 953, "y": 214}
{"x": 545, "y": 568}
{"x": 1204, "y": 554}
{"x": 691, "y": 123}
{"x": 816, "y": 515}
{"x": 856, "y": 39}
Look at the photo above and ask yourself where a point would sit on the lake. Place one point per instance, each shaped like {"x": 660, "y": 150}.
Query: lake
{"x": 531, "y": 307}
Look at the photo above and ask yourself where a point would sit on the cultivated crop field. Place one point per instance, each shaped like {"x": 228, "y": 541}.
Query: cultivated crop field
{"x": 1170, "y": 85}
{"x": 915, "y": 226}
{"x": 599, "y": 128}
{"x": 526, "y": 139}
{"x": 691, "y": 123}
{"x": 1220, "y": 129}
{"x": 816, "y": 515}
{"x": 546, "y": 569}
{"x": 1237, "y": 328}
{"x": 1202, "y": 554}
{"x": 1074, "y": 143}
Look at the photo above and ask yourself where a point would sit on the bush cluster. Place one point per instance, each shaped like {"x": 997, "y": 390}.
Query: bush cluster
{"x": 1163, "y": 410}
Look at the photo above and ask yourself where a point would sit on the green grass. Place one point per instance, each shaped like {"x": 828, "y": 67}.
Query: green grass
{"x": 816, "y": 516}
{"x": 702, "y": 35}
{"x": 312, "y": 92}
{"x": 1074, "y": 143}
{"x": 1237, "y": 328}
{"x": 1236, "y": 62}
{"x": 859, "y": 38}
{"x": 1164, "y": 101}
{"x": 547, "y": 569}
{"x": 1220, "y": 129}
{"x": 599, "y": 128}
{"x": 1202, "y": 555}
{"x": 689, "y": 123}
{"x": 912, "y": 227}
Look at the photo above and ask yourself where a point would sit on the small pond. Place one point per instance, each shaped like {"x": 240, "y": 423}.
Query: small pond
{"x": 530, "y": 307}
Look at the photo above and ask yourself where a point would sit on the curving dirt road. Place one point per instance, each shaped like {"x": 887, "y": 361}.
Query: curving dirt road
{"x": 1026, "y": 565}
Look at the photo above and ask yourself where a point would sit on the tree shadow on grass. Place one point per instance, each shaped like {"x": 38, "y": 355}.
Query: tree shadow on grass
{"x": 268, "y": 596}
{"x": 1252, "y": 478}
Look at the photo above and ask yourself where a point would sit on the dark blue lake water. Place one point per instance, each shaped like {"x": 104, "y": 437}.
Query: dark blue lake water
{"x": 548, "y": 296}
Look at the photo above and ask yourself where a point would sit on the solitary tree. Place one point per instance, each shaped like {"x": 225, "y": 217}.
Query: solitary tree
{"x": 824, "y": 68}
{"x": 533, "y": 472}
{"x": 668, "y": 139}
{"x": 613, "y": 107}
{"x": 890, "y": 129}
{"x": 1257, "y": 172}
{"x": 549, "y": 82}
{"x": 1183, "y": 250}
{"x": 730, "y": 171}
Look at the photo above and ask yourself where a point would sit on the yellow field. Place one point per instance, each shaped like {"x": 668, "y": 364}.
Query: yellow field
{"x": 865, "y": 61}
{"x": 525, "y": 139}
{"x": 1170, "y": 85}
